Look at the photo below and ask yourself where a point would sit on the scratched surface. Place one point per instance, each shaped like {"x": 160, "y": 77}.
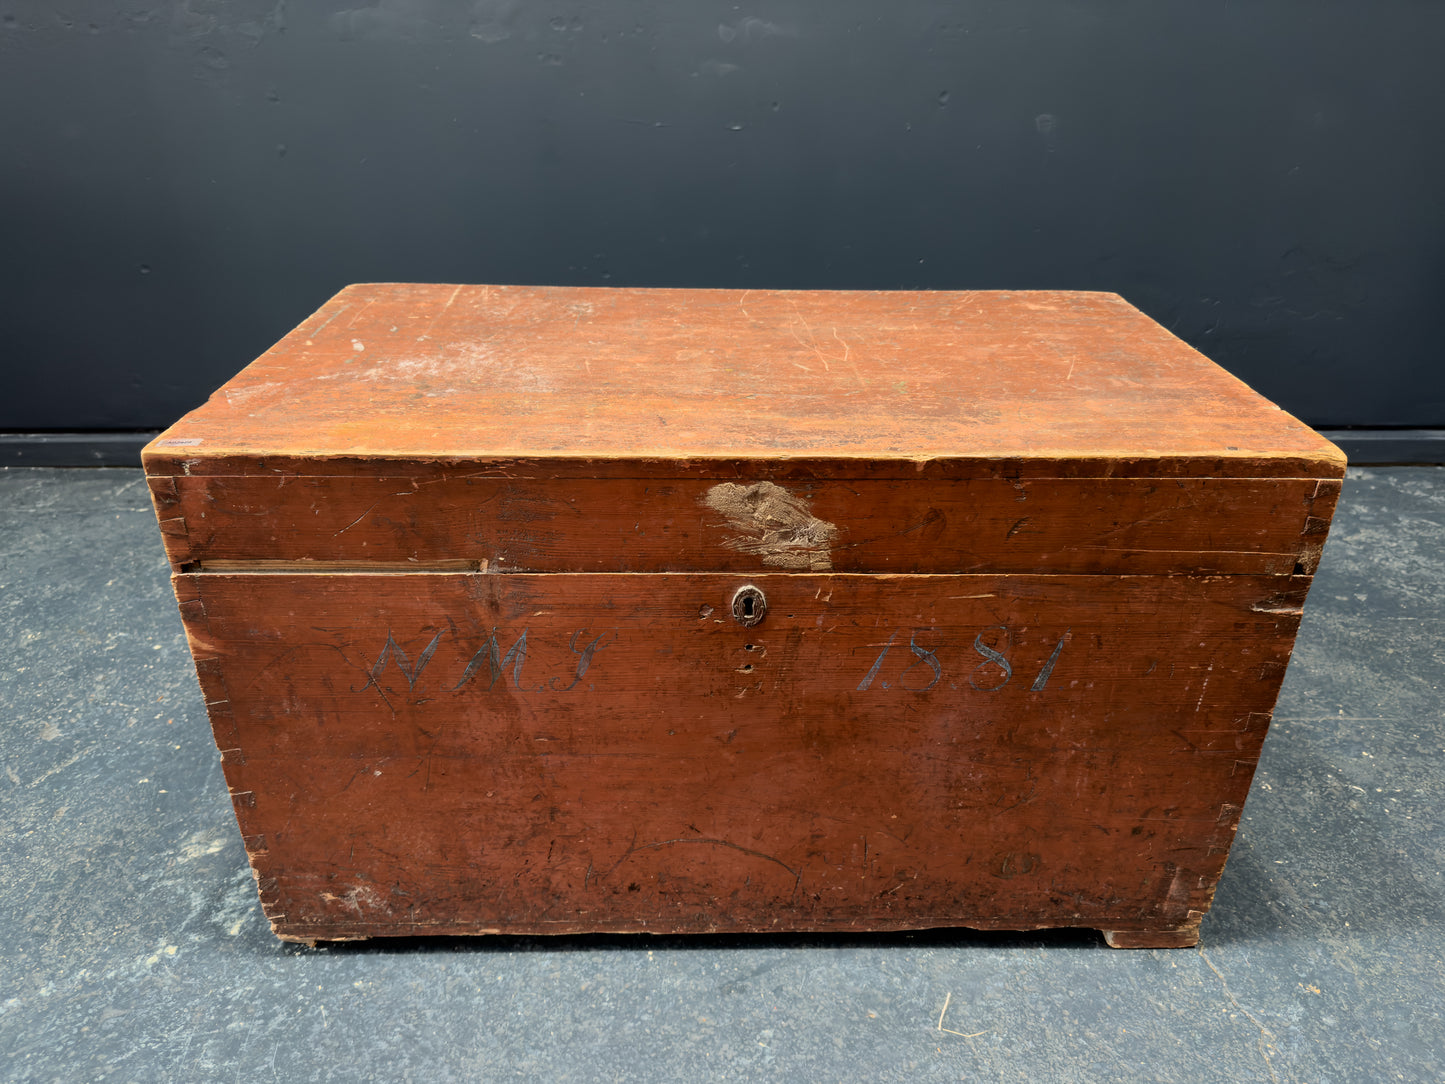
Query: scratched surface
{"x": 132, "y": 947}
{"x": 567, "y": 753}
{"x": 691, "y": 522}
{"x": 497, "y": 372}
{"x": 346, "y": 504}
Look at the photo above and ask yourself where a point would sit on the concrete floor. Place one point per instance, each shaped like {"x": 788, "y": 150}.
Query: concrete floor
{"x": 131, "y": 946}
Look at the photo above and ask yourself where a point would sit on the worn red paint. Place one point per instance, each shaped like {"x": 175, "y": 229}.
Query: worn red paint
{"x": 459, "y": 567}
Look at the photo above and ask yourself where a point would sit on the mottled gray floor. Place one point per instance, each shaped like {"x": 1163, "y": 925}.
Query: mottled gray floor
{"x": 131, "y": 947}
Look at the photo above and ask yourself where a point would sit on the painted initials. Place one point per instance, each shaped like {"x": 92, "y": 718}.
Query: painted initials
{"x": 584, "y": 657}
{"x": 393, "y": 650}
{"x": 489, "y": 662}
{"x": 490, "y": 653}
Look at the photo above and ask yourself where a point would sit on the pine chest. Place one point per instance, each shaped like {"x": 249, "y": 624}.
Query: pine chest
{"x": 546, "y": 610}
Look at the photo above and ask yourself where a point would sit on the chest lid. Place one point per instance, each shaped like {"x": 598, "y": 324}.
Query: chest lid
{"x": 604, "y": 429}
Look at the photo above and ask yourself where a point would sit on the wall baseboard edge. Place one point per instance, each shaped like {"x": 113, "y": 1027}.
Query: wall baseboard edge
{"x": 1365, "y": 447}
{"x": 102, "y": 449}
{"x": 1389, "y": 447}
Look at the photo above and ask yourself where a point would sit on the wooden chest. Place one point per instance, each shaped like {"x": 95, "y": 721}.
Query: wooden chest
{"x": 528, "y": 610}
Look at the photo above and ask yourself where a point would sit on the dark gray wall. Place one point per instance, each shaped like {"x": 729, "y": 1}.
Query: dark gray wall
{"x": 183, "y": 181}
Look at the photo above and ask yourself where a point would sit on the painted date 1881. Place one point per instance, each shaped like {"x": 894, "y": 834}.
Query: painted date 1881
{"x": 993, "y": 670}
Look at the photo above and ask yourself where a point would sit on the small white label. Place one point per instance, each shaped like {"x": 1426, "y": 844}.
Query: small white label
{"x": 175, "y": 442}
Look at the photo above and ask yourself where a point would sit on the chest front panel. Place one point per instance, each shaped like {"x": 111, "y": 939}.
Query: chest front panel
{"x": 464, "y": 752}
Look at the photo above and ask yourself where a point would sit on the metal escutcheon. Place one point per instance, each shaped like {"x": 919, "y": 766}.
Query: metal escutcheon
{"x": 749, "y": 606}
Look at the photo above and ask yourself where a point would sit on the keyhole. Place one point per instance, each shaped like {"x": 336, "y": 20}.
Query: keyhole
{"x": 749, "y": 606}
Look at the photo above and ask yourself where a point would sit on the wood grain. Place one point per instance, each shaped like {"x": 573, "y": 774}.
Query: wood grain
{"x": 457, "y": 565}
{"x": 530, "y": 524}
{"x": 463, "y": 753}
{"x": 468, "y": 373}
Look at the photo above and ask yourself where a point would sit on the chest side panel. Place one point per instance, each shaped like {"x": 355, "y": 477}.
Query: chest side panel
{"x": 452, "y": 752}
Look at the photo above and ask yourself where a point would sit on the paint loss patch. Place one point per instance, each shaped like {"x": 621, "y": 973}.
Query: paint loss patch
{"x": 775, "y": 525}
